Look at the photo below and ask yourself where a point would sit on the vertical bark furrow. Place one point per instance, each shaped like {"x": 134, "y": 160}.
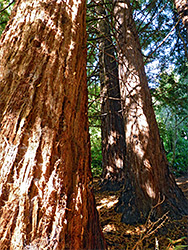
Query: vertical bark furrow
{"x": 8, "y": 222}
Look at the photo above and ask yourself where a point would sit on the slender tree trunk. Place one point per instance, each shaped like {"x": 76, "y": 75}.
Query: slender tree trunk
{"x": 112, "y": 125}
{"x": 182, "y": 9}
{"x": 46, "y": 200}
{"x": 148, "y": 180}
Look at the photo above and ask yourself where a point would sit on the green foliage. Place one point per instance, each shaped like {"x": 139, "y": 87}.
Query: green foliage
{"x": 5, "y": 10}
{"x": 163, "y": 36}
{"x": 96, "y": 151}
{"x": 95, "y": 129}
{"x": 94, "y": 89}
{"x": 171, "y": 107}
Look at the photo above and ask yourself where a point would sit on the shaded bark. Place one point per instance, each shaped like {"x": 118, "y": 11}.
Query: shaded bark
{"x": 46, "y": 200}
{"x": 112, "y": 125}
{"x": 148, "y": 180}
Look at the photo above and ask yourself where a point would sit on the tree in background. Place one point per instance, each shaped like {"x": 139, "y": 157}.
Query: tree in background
{"x": 46, "y": 196}
{"x": 112, "y": 124}
{"x": 162, "y": 38}
{"x": 148, "y": 180}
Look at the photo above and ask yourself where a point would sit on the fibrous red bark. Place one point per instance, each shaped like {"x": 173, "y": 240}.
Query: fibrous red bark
{"x": 46, "y": 198}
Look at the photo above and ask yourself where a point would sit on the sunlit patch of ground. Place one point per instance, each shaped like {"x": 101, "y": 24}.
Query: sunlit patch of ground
{"x": 108, "y": 202}
{"x": 120, "y": 236}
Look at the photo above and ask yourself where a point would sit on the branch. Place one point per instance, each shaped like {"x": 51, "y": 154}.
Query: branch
{"x": 152, "y": 230}
{"x": 181, "y": 121}
{"x": 7, "y": 6}
{"x": 163, "y": 40}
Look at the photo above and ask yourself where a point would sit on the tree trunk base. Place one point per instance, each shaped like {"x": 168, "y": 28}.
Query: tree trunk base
{"x": 136, "y": 209}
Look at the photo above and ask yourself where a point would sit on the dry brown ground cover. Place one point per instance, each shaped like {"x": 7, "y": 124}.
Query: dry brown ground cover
{"x": 163, "y": 234}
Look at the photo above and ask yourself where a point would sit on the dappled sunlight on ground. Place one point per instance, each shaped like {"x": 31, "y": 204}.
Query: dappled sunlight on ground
{"x": 108, "y": 202}
{"x": 120, "y": 236}
{"x": 109, "y": 228}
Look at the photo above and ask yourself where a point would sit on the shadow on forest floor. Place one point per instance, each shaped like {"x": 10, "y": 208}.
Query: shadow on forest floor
{"x": 120, "y": 236}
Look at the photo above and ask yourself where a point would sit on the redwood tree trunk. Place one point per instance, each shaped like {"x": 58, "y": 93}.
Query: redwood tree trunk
{"x": 112, "y": 125}
{"x": 148, "y": 180}
{"x": 46, "y": 200}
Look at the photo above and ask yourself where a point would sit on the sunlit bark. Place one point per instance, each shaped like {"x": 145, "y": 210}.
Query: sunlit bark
{"x": 46, "y": 200}
{"x": 112, "y": 125}
{"x": 148, "y": 180}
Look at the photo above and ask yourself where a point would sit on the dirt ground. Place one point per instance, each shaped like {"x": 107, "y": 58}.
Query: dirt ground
{"x": 162, "y": 234}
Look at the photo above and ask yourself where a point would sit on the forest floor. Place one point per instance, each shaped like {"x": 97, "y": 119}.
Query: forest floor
{"x": 163, "y": 234}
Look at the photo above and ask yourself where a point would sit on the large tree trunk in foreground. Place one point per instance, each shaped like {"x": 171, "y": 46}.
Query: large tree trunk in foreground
{"x": 46, "y": 199}
{"x": 148, "y": 180}
{"x": 112, "y": 125}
